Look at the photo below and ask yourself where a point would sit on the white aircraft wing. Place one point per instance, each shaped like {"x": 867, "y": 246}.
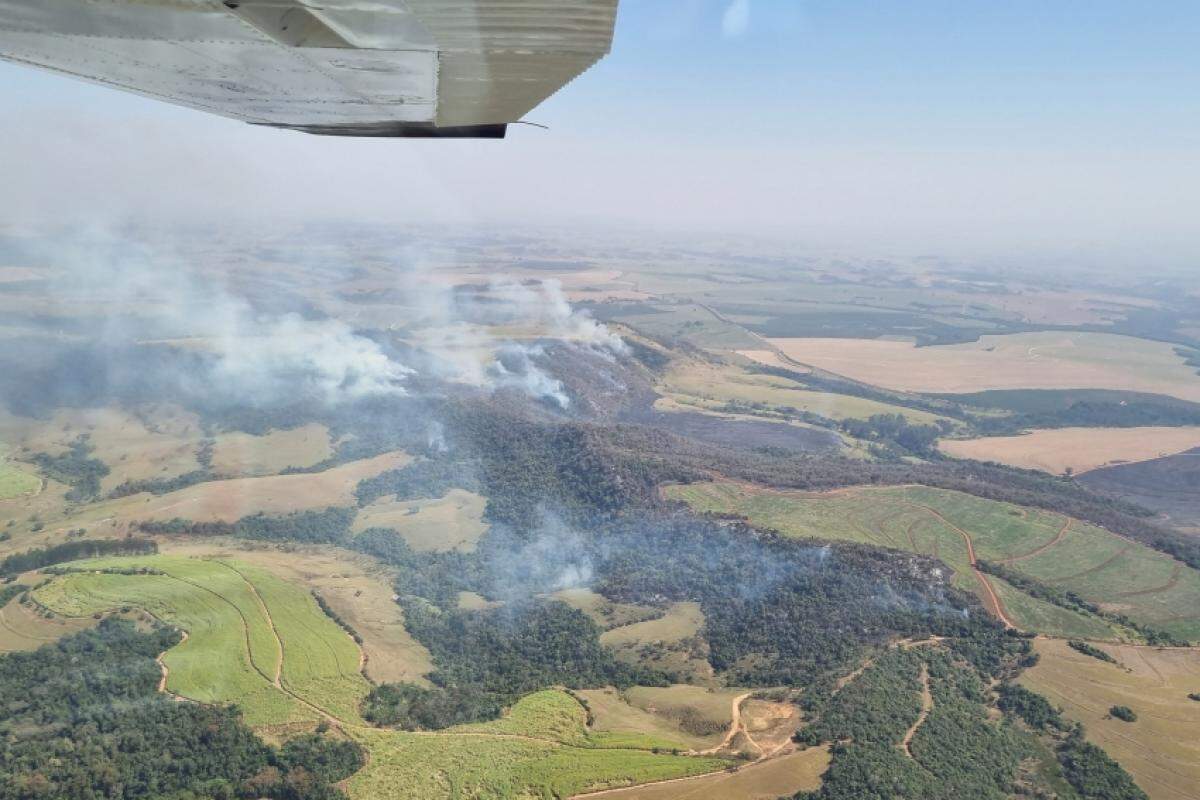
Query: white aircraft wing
{"x": 337, "y": 67}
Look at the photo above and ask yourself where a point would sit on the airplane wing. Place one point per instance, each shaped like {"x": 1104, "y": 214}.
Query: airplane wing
{"x": 424, "y": 68}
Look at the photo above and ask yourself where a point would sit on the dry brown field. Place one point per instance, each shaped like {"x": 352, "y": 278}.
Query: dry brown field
{"x": 766, "y": 780}
{"x": 665, "y": 643}
{"x": 243, "y": 454}
{"x": 157, "y": 442}
{"x": 1048, "y": 360}
{"x": 1161, "y": 749}
{"x": 21, "y": 628}
{"x": 1079, "y": 449}
{"x": 230, "y": 500}
{"x": 453, "y": 522}
{"x": 604, "y": 612}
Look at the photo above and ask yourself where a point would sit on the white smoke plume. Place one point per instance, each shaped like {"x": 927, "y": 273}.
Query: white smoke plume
{"x": 455, "y": 329}
{"x": 255, "y": 356}
{"x": 270, "y": 352}
{"x": 544, "y": 303}
{"x": 514, "y": 367}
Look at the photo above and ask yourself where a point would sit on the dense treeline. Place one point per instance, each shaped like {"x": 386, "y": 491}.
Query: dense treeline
{"x": 486, "y": 659}
{"x": 968, "y": 755}
{"x": 336, "y": 617}
{"x": 1092, "y": 773}
{"x": 416, "y": 708}
{"x": 1035, "y": 710}
{"x": 877, "y": 707}
{"x": 898, "y": 436}
{"x": 331, "y": 525}
{"x": 72, "y": 551}
{"x": 1092, "y": 414}
{"x": 302, "y": 526}
{"x": 525, "y": 465}
{"x": 83, "y": 720}
{"x": 1064, "y": 598}
{"x": 956, "y": 752}
{"x": 1081, "y": 646}
{"x": 690, "y": 460}
{"x": 76, "y": 468}
{"x": 429, "y": 478}
{"x": 162, "y": 485}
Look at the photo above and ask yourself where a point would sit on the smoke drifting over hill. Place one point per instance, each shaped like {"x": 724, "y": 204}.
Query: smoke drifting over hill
{"x": 114, "y": 318}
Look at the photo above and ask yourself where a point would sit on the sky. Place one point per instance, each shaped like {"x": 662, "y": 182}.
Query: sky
{"x": 957, "y": 127}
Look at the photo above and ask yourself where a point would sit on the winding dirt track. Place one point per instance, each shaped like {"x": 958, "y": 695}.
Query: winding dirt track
{"x": 926, "y": 707}
{"x": 162, "y": 665}
{"x": 1066, "y": 526}
{"x": 992, "y": 600}
{"x": 735, "y": 725}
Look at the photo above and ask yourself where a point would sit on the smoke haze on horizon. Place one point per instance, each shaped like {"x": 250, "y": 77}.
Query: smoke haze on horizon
{"x": 960, "y": 129}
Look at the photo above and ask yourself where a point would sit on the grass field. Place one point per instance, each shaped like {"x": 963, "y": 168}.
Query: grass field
{"x": 253, "y": 639}
{"x": 1048, "y": 360}
{"x": 1145, "y": 585}
{"x": 1079, "y": 449}
{"x": 613, "y": 713}
{"x": 1038, "y": 615}
{"x": 1162, "y": 748}
{"x": 415, "y": 767}
{"x": 701, "y": 715}
{"x": 667, "y": 642}
{"x": 262, "y": 642}
{"x": 15, "y": 481}
{"x": 242, "y": 454}
{"x": 705, "y": 385}
{"x": 541, "y": 748}
{"x": 604, "y": 612}
{"x": 689, "y": 322}
{"x": 453, "y": 522}
{"x": 354, "y": 586}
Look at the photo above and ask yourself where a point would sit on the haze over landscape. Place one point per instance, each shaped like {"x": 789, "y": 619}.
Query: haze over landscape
{"x": 980, "y": 129}
{"x": 812, "y": 412}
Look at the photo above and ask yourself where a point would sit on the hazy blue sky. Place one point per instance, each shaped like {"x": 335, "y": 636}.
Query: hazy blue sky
{"x": 968, "y": 126}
